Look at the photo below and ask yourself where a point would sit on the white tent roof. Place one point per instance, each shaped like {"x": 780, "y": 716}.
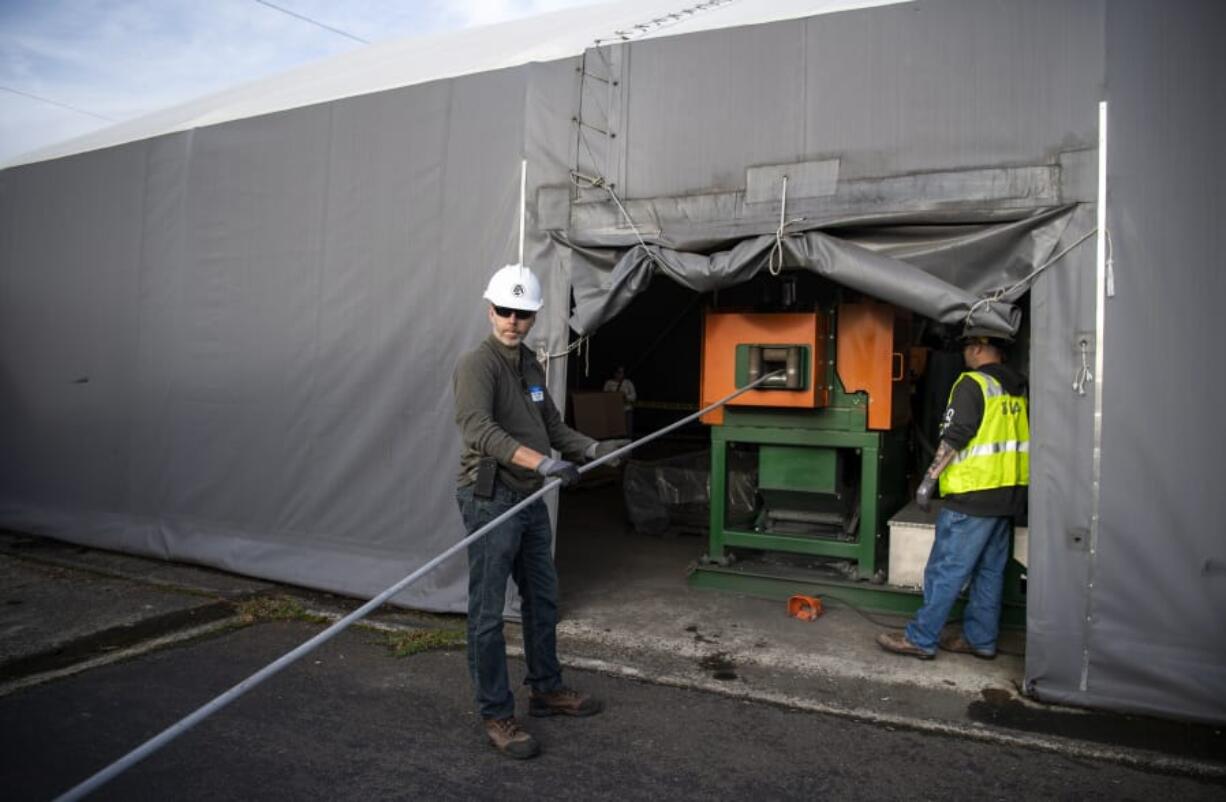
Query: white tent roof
{"x": 404, "y": 62}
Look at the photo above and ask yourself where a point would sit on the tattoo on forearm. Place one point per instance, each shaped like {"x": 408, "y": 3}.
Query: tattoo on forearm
{"x": 945, "y": 455}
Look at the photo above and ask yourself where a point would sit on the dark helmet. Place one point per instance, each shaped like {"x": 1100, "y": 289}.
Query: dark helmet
{"x": 985, "y": 335}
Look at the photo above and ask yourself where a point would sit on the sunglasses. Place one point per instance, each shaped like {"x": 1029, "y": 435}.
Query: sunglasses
{"x": 520, "y": 314}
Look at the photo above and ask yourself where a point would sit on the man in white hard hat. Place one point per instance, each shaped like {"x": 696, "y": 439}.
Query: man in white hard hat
{"x": 510, "y": 427}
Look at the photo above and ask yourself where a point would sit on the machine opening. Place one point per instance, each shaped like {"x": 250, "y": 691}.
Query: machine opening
{"x": 806, "y": 482}
{"x": 787, "y": 361}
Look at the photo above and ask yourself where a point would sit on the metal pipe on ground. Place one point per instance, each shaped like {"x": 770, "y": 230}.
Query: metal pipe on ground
{"x": 167, "y": 735}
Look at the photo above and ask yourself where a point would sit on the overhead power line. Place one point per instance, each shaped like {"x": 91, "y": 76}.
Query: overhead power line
{"x": 51, "y": 102}
{"x": 314, "y": 22}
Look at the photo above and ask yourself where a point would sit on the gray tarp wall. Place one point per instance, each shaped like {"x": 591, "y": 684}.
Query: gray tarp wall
{"x": 947, "y": 113}
{"x": 1157, "y": 586}
{"x": 234, "y": 345}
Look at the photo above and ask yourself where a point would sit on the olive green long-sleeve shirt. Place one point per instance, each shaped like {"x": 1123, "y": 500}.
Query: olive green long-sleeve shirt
{"x": 500, "y": 404}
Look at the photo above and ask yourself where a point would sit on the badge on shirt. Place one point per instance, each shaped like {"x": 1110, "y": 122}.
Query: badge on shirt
{"x": 537, "y": 393}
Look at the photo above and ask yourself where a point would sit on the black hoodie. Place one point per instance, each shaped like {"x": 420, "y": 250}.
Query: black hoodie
{"x": 958, "y": 427}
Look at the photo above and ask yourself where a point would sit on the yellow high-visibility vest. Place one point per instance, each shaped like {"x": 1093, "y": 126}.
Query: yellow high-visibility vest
{"x": 999, "y": 453}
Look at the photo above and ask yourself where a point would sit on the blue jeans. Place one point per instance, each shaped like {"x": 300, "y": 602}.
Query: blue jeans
{"x": 519, "y": 548}
{"x": 966, "y": 547}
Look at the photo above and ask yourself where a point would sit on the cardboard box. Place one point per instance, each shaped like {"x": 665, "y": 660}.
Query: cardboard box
{"x": 598, "y": 414}
{"x": 911, "y": 534}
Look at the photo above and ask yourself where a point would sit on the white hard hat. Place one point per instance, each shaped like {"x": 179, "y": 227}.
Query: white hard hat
{"x": 514, "y": 287}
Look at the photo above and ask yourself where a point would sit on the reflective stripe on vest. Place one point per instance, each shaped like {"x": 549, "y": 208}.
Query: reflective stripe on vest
{"x": 999, "y": 453}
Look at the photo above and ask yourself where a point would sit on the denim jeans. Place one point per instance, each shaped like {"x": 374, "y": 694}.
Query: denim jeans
{"x": 519, "y": 548}
{"x": 966, "y": 547}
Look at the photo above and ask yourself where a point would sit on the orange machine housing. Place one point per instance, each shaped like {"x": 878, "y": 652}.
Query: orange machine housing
{"x": 724, "y": 331}
{"x": 872, "y": 356}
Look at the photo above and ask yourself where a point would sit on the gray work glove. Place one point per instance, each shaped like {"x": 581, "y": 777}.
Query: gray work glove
{"x": 603, "y": 447}
{"x": 925, "y": 492}
{"x": 552, "y": 468}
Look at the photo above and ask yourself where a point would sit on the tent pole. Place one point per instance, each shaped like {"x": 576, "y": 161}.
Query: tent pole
{"x": 523, "y": 205}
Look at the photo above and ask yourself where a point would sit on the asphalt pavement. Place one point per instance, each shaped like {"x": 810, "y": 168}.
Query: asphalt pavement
{"x": 710, "y": 696}
{"x": 353, "y": 722}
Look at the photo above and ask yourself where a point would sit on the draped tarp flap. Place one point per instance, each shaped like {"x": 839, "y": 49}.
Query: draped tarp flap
{"x": 914, "y": 267}
{"x": 705, "y": 221}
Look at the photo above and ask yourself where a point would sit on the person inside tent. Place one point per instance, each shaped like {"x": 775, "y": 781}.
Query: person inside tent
{"x": 620, "y": 384}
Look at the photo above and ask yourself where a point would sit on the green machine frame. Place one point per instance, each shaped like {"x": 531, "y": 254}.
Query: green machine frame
{"x": 791, "y": 438}
{"x": 841, "y": 426}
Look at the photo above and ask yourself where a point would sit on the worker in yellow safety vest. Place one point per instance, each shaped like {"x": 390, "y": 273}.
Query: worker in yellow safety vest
{"x": 983, "y": 468}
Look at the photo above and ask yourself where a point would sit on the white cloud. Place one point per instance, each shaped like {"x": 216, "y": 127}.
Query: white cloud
{"x": 125, "y": 58}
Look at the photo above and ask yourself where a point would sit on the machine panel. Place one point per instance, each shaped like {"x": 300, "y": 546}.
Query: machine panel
{"x": 730, "y": 338}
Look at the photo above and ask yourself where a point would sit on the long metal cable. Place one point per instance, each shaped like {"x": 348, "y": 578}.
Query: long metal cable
{"x": 312, "y": 21}
{"x": 62, "y": 105}
{"x": 204, "y": 711}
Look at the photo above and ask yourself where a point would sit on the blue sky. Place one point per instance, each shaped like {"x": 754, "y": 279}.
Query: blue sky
{"x": 68, "y": 67}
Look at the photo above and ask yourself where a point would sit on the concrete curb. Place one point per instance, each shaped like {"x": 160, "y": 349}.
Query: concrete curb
{"x": 1133, "y": 758}
{"x": 1150, "y": 761}
{"x": 580, "y": 644}
{"x": 144, "y": 647}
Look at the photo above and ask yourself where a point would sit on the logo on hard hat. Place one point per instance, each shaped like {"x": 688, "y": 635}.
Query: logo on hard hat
{"x": 517, "y": 290}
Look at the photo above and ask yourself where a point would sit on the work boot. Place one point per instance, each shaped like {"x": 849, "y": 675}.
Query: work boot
{"x": 563, "y": 702}
{"x": 897, "y": 643}
{"x": 954, "y": 641}
{"x": 506, "y": 736}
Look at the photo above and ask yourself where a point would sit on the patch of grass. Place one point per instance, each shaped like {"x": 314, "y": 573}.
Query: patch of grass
{"x": 417, "y": 641}
{"x": 275, "y": 608}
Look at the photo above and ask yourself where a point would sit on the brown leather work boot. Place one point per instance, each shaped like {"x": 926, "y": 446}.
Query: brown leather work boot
{"x": 563, "y": 702}
{"x": 506, "y": 736}
{"x": 953, "y": 641}
{"x": 897, "y": 643}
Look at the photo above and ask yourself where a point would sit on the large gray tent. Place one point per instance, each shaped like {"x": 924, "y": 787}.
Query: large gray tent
{"x": 227, "y": 331}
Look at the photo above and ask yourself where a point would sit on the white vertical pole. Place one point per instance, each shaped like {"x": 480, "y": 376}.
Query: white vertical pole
{"x": 1100, "y": 320}
{"x": 523, "y": 204}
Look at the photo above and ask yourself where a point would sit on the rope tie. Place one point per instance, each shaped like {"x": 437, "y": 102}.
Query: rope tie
{"x": 599, "y": 182}
{"x": 1000, "y": 294}
{"x": 582, "y": 345}
{"x": 774, "y": 262}
{"x": 640, "y": 29}
{"x": 987, "y": 300}
{"x": 578, "y": 179}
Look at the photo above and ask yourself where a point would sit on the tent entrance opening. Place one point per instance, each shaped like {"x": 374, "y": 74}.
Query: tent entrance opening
{"x": 795, "y": 488}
